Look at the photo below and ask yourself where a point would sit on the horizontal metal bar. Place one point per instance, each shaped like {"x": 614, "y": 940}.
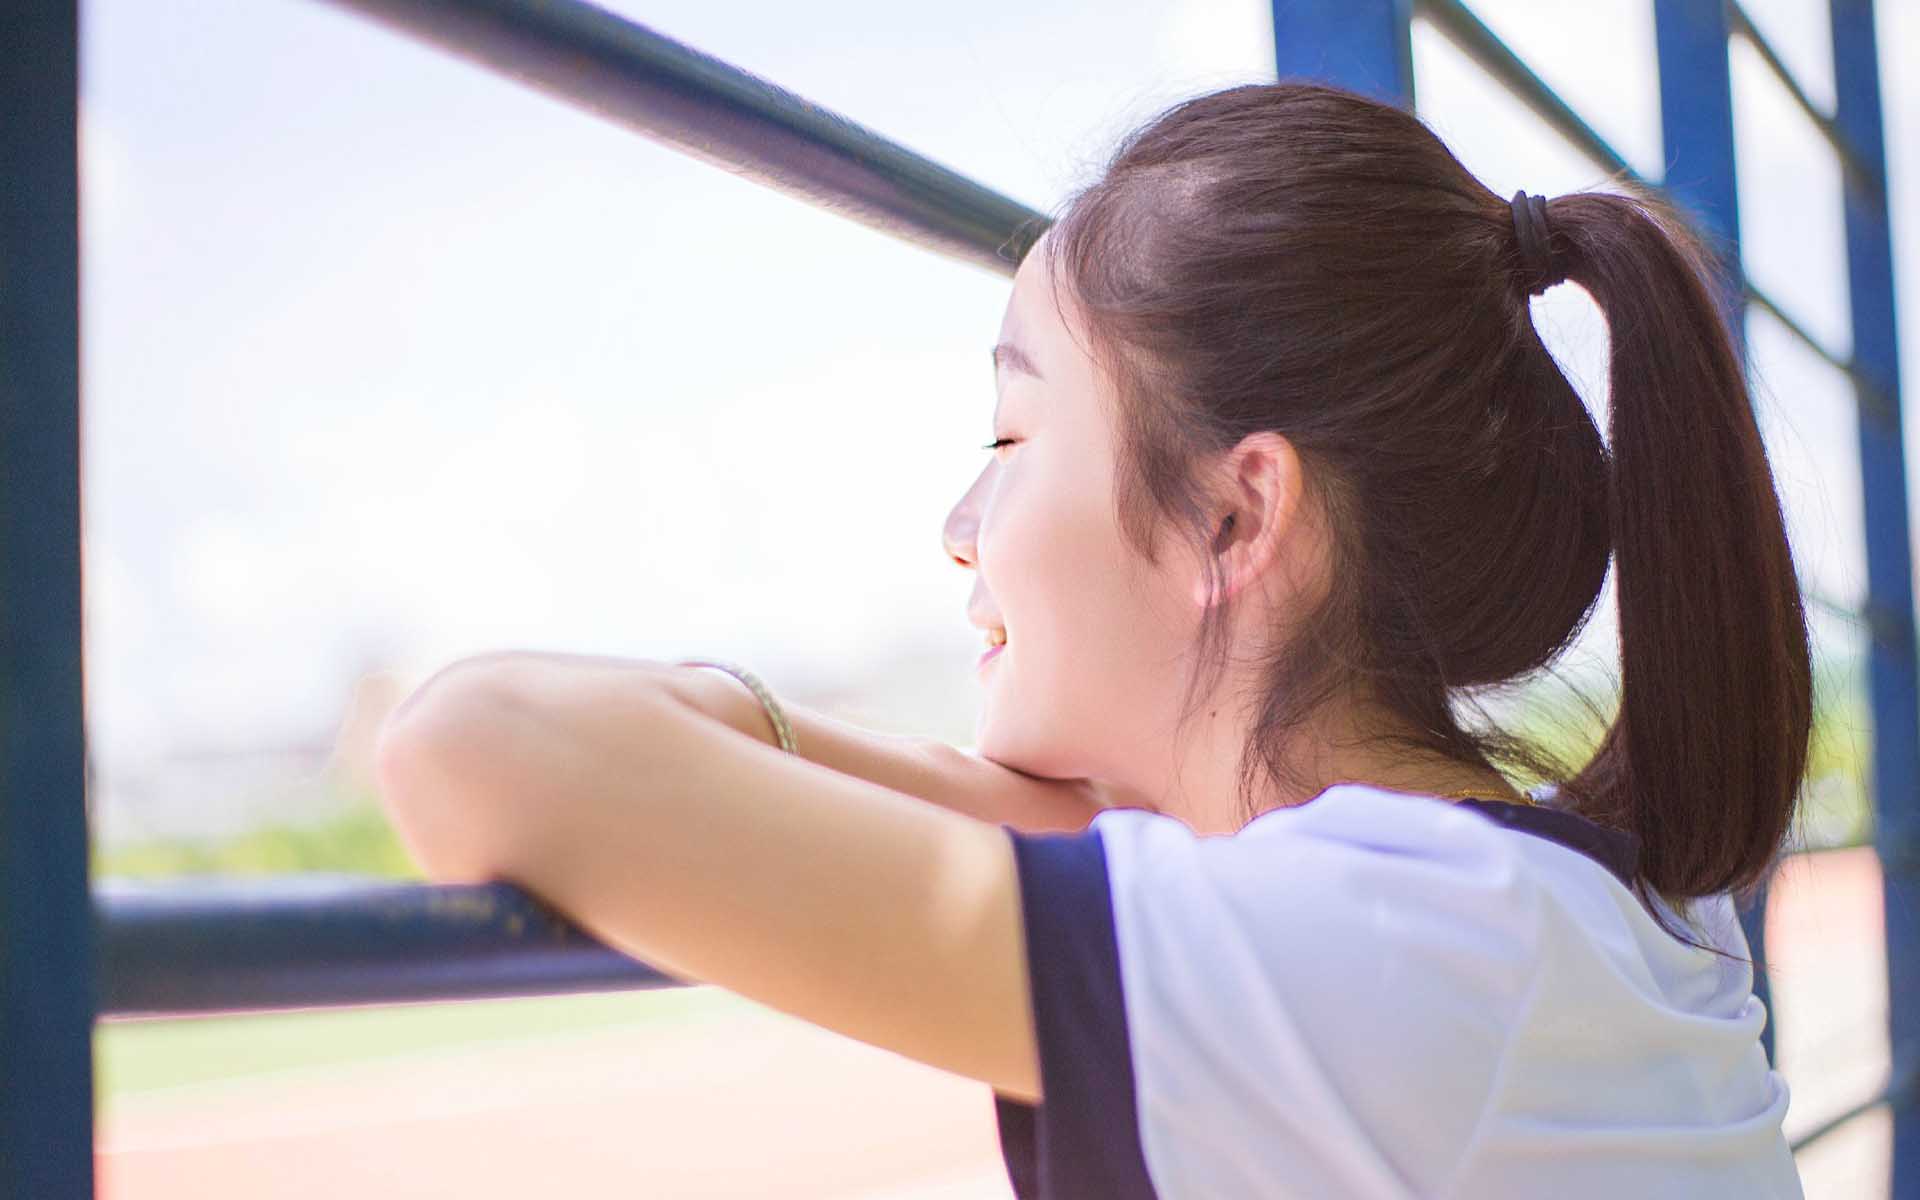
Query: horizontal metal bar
{"x": 1897, "y": 1094}
{"x": 702, "y": 106}
{"x": 1816, "y": 598}
{"x": 1875, "y": 403}
{"x": 317, "y": 941}
{"x": 1851, "y": 162}
{"x": 1882, "y": 626}
{"x": 1492, "y": 55}
{"x": 1485, "y": 48}
{"x": 674, "y": 94}
{"x": 1480, "y": 43}
{"x": 308, "y": 941}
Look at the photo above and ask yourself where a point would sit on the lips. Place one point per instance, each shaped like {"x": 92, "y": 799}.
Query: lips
{"x": 994, "y": 629}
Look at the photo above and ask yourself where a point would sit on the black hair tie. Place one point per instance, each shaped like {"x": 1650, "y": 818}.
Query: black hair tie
{"x": 1535, "y": 236}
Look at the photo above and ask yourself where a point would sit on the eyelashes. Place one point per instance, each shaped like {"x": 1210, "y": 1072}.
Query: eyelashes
{"x": 996, "y": 443}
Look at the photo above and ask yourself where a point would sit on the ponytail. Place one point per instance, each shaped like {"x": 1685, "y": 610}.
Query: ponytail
{"x": 1296, "y": 258}
{"x": 1704, "y": 760}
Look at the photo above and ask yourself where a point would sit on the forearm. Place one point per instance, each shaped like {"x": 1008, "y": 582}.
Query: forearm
{"x": 922, "y": 767}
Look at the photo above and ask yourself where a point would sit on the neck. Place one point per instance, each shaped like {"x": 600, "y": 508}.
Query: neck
{"x": 1201, "y": 785}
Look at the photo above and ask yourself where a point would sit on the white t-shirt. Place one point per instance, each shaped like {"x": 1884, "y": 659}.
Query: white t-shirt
{"x": 1378, "y": 995}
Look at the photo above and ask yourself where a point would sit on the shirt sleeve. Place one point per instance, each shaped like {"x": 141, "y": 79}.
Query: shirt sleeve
{"x": 1082, "y": 1139}
{"x": 1315, "y": 1006}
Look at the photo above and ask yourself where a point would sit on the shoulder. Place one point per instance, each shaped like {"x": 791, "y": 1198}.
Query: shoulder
{"x": 1374, "y": 950}
{"x": 1347, "y": 995}
{"x": 1330, "y": 991}
{"x": 1401, "y": 929}
{"x": 1358, "y": 860}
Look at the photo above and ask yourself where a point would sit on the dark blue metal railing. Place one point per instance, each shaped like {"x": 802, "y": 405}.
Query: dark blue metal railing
{"x": 739, "y": 122}
{"x": 170, "y": 949}
{"x": 228, "y": 946}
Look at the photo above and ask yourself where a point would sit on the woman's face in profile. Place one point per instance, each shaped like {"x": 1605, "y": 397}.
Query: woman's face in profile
{"x": 1090, "y": 678}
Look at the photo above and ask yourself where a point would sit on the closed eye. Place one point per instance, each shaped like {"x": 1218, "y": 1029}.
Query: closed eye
{"x": 999, "y": 442}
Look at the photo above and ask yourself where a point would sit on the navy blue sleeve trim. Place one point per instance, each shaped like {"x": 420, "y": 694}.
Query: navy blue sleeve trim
{"x": 1083, "y": 1138}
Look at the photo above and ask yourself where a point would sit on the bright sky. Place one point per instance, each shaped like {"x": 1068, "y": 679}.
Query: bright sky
{"x": 388, "y": 361}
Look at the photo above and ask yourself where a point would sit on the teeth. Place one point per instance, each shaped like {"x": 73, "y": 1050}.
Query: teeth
{"x": 996, "y": 637}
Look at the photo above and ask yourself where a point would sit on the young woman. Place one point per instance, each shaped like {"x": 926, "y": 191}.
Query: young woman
{"x": 1229, "y": 903}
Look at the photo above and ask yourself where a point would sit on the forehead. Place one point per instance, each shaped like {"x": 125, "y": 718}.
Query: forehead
{"x": 1060, "y": 383}
{"x": 1032, "y": 284}
{"x": 1034, "y": 337}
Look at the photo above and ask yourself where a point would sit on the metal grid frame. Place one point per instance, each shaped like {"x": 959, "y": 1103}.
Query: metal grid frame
{"x": 69, "y": 952}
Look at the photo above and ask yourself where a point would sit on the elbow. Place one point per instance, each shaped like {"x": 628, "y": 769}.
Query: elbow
{"x": 444, "y": 713}
{"x": 430, "y": 765}
{"x": 458, "y": 681}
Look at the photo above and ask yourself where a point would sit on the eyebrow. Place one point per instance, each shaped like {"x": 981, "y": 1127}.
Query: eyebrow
{"x": 1013, "y": 358}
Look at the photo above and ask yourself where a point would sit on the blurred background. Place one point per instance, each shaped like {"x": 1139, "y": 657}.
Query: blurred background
{"x": 388, "y": 362}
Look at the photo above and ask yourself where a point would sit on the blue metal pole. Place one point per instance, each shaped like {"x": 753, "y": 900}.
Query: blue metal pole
{"x": 1364, "y": 46}
{"x": 46, "y": 925}
{"x": 624, "y": 72}
{"x": 1891, "y": 668}
{"x": 308, "y": 941}
{"x": 1696, "y": 127}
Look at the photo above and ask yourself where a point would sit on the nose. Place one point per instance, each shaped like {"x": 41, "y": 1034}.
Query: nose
{"x": 962, "y": 529}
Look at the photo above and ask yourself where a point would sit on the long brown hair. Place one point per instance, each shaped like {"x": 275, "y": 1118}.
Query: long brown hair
{"x": 1294, "y": 257}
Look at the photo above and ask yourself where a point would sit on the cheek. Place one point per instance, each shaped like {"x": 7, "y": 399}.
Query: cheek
{"x": 1083, "y": 643}
{"x": 1045, "y": 559}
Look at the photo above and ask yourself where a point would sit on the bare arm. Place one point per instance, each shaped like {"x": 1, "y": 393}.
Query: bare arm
{"x": 719, "y": 859}
{"x": 919, "y": 766}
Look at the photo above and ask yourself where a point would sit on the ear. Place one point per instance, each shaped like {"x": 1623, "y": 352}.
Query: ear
{"x": 1256, "y": 507}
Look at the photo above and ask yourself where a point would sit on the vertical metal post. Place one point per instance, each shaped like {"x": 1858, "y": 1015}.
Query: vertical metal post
{"x": 1364, "y": 46}
{"x": 46, "y": 916}
{"x": 1891, "y": 668}
{"x": 1696, "y": 127}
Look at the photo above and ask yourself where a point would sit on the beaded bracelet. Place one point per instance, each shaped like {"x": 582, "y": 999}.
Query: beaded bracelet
{"x": 772, "y": 706}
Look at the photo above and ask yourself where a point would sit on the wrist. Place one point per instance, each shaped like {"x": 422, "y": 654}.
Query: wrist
{"x": 724, "y": 698}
